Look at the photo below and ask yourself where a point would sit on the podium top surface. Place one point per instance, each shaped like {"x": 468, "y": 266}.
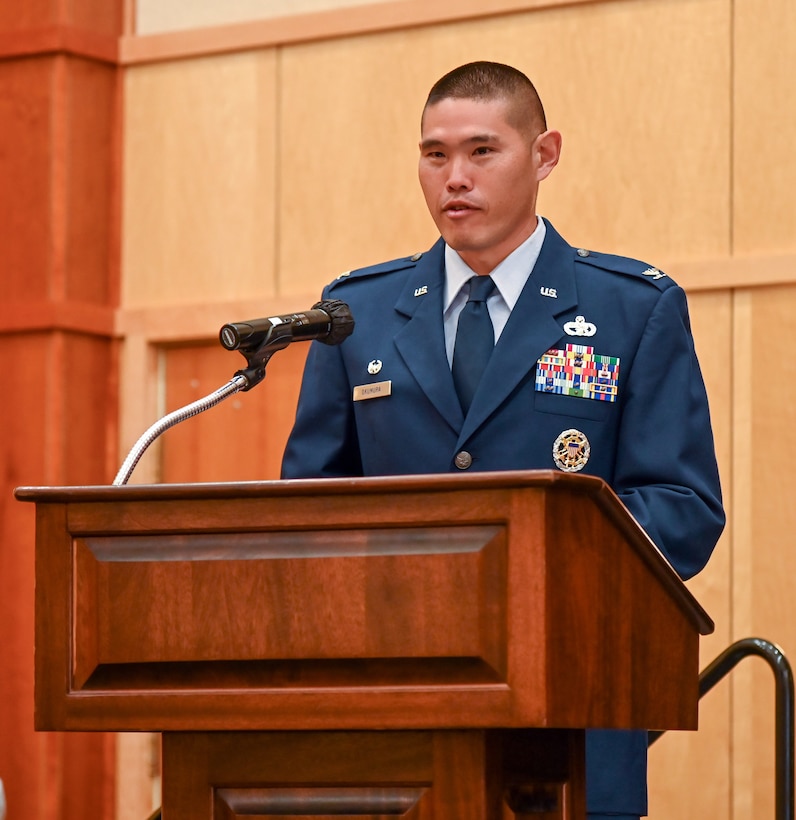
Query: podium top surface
{"x": 592, "y": 487}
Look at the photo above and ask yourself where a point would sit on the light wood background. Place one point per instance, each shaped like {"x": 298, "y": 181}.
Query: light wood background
{"x": 248, "y": 162}
{"x": 253, "y": 178}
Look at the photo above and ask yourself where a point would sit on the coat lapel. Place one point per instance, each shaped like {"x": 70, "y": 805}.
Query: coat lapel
{"x": 531, "y": 330}
{"x": 421, "y": 342}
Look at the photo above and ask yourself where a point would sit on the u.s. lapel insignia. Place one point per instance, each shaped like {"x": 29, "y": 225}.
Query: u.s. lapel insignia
{"x": 571, "y": 451}
{"x": 552, "y": 293}
{"x": 374, "y": 367}
{"x": 580, "y": 327}
{"x": 421, "y": 291}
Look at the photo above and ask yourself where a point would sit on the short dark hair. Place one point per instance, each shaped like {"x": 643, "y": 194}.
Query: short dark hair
{"x": 487, "y": 81}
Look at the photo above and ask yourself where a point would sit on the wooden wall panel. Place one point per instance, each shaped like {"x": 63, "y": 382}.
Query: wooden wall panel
{"x": 690, "y": 774}
{"x": 154, "y": 16}
{"x": 764, "y": 199}
{"x": 54, "y": 431}
{"x": 741, "y": 514}
{"x": 646, "y": 123}
{"x": 19, "y": 17}
{"x": 764, "y": 127}
{"x": 88, "y": 242}
{"x": 71, "y": 192}
{"x": 25, "y": 138}
{"x": 352, "y": 198}
{"x": 24, "y": 408}
{"x": 86, "y": 384}
{"x": 241, "y": 439}
{"x": 610, "y": 88}
{"x": 96, "y": 15}
{"x": 199, "y": 180}
{"x": 58, "y": 143}
{"x": 676, "y": 150}
{"x": 765, "y": 562}
{"x": 137, "y": 775}
{"x": 166, "y": 32}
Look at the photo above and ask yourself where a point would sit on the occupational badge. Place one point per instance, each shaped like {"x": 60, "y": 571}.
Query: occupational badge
{"x": 580, "y": 327}
{"x": 571, "y": 451}
{"x": 374, "y": 367}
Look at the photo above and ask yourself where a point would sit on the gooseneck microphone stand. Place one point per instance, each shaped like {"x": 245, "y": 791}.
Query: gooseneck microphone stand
{"x": 237, "y": 383}
{"x": 257, "y": 354}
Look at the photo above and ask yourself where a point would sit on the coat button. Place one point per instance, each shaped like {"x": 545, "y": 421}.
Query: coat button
{"x": 463, "y": 460}
{"x": 583, "y": 252}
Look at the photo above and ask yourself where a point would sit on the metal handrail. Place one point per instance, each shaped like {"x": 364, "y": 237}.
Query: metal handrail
{"x": 784, "y": 696}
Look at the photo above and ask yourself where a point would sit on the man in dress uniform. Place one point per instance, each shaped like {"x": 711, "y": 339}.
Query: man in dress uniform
{"x": 505, "y": 348}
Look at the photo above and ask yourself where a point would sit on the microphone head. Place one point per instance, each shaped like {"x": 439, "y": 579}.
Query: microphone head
{"x": 342, "y": 322}
{"x": 229, "y": 336}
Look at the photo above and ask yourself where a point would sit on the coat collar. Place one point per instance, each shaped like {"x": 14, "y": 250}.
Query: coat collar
{"x": 531, "y": 330}
{"x": 421, "y": 342}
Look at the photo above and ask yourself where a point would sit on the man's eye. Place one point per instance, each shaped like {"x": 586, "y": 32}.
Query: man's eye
{"x": 483, "y": 150}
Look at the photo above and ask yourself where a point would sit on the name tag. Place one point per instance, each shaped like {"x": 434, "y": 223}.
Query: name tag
{"x": 372, "y": 391}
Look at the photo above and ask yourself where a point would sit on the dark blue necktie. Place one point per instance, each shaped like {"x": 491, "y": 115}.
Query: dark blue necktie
{"x": 475, "y": 340}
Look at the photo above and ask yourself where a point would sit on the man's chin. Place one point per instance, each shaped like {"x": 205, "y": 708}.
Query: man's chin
{"x": 460, "y": 242}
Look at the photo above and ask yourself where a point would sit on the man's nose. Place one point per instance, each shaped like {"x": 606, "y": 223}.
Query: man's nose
{"x": 459, "y": 176}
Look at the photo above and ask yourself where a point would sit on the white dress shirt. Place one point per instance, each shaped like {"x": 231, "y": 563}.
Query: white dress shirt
{"x": 510, "y": 277}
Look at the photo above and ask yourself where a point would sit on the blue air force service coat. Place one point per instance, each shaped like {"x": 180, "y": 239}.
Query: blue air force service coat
{"x": 595, "y": 370}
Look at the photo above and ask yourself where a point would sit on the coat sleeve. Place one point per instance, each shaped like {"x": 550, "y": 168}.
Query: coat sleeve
{"x": 323, "y": 442}
{"x": 666, "y": 472}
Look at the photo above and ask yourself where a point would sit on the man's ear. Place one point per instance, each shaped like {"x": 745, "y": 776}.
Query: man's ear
{"x": 547, "y": 147}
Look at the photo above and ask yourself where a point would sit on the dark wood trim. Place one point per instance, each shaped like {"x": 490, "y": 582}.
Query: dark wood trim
{"x": 76, "y": 317}
{"x": 59, "y": 39}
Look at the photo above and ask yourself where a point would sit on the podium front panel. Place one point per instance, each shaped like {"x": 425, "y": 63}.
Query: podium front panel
{"x": 491, "y": 600}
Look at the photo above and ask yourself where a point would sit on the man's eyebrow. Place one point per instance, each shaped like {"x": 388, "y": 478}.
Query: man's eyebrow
{"x": 429, "y": 143}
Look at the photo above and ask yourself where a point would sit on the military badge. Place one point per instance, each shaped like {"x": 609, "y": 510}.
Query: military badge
{"x": 374, "y": 367}
{"x": 571, "y": 451}
{"x": 580, "y": 327}
{"x": 654, "y": 273}
{"x": 578, "y": 371}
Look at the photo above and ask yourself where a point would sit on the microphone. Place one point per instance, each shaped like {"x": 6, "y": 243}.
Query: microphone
{"x": 329, "y": 321}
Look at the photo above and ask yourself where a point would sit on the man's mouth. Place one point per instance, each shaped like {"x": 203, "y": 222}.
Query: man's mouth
{"x": 457, "y": 207}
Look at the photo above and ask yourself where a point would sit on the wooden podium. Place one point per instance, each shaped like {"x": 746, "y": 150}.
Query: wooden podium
{"x": 414, "y": 647}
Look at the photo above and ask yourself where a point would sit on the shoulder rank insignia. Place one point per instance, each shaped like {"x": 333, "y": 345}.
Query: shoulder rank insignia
{"x": 654, "y": 273}
{"x": 578, "y": 371}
